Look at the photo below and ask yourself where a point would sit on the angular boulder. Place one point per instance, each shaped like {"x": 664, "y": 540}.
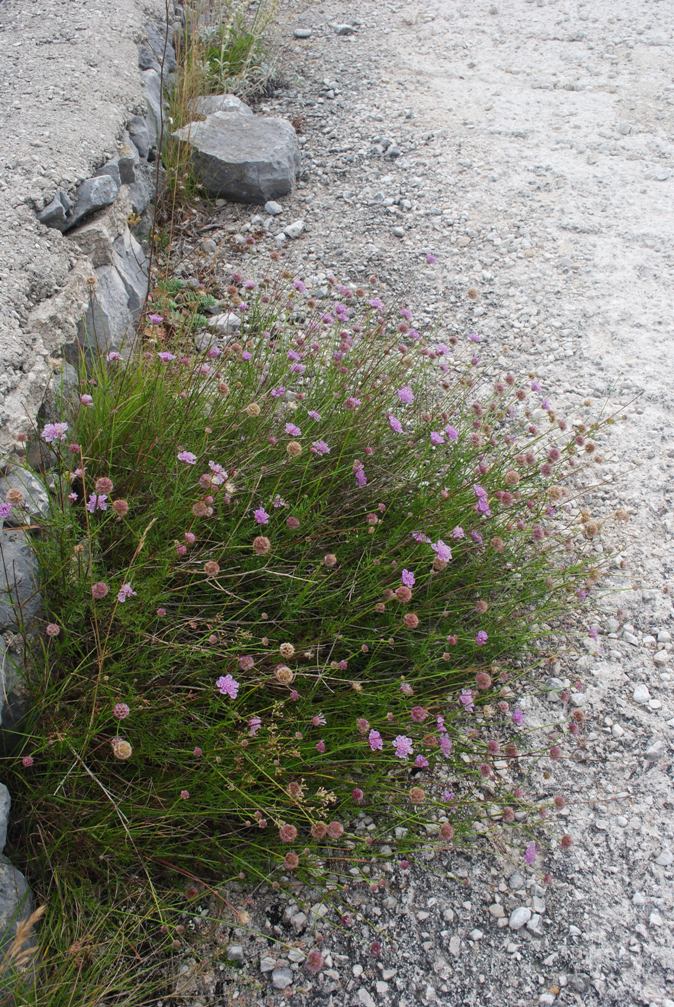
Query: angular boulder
{"x": 207, "y": 104}
{"x": 245, "y": 158}
{"x": 16, "y": 903}
{"x": 19, "y": 598}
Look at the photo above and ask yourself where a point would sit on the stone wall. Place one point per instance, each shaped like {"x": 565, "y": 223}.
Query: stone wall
{"x": 91, "y": 241}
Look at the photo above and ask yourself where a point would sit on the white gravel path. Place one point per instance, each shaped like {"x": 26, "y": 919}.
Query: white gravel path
{"x": 536, "y": 155}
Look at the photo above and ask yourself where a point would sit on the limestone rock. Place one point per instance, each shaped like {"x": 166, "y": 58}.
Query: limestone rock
{"x": 5, "y": 805}
{"x": 92, "y": 195}
{"x": 13, "y": 694}
{"x": 207, "y": 104}
{"x": 16, "y": 903}
{"x": 19, "y": 599}
{"x": 245, "y": 158}
{"x": 35, "y": 500}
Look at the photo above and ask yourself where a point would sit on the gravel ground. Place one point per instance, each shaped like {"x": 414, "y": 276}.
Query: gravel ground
{"x": 529, "y": 146}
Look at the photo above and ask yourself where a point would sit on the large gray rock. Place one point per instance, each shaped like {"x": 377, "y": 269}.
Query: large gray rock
{"x": 16, "y": 903}
{"x": 5, "y": 805}
{"x": 93, "y": 194}
{"x": 245, "y": 158}
{"x": 19, "y": 598}
{"x": 207, "y": 104}
{"x": 55, "y": 214}
{"x": 14, "y": 699}
{"x": 140, "y": 135}
{"x": 153, "y": 91}
{"x": 35, "y": 500}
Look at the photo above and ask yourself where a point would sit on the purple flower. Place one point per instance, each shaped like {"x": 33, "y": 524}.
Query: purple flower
{"x": 227, "y": 686}
{"x": 352, "y": 402}
{"x": 375, "y": 741}
{"x": 466, "y": 699}
{"x": 442, "y": 551}
{"x": 320, "y": 448}
{"x": 421, "y": 762}
{"x": 87, "y": 400}
{"x": 54, "y": 432}
{"x": 97, "y": 501}
{"x": 481, "y": 637}
{"x": 458, "y": 532}
{"x": 155, "y": 319}
{"x": 408, "y": 579}
{"x": 406, "y": 395}
{"x": 482, "y": 505}
{"x": 313, "y": 415}
{"x": 431, "y": 259}
{"x": 447, "y": 795}
{"x": 277, "y": 393}
{"x": 164, "y": 356}
{"x": 445, "y": 743}
{"x": 112, "y": 356}
{"x": 261, "y": 515}
{"x": 359, "y": 473}
{"x": 125, "y": 591}
{"x": 395, "y": 424}
{"x": 376, "y": 303}
{"x": 476, "y": 537}
{"x": 219, "y": 474}
{"x": 437, "y": 438}
{"x": 187, "y": 457}
{"x": 293, "y": 430}
{"x": 518, "y": 717}
{"x": 452, "y": 432}
{"x": 5, "y": 510}
{"x": 474, "y": 337}
{"x": 530, "y": 851}
{"x": 419, "y": 536}
{"x": 403, "y": 746}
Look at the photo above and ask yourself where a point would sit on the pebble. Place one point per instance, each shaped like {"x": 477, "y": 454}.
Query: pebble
{"x": 655, "y": 751}
{"x": 455, "y": 946}
{"x": 661, "y": 658}
{"x": 365, "y": 998}
{"x": 235, "y": 953}
{"x": 519, "y": 917}
{"x": 476, "y": 935}
{"x": 281, "y": 978}
{"x": 295, "y": 229}
{"x": 273, "y": 208}
{"x": 267, "y": 963}
{"x": 516, "y": 881}
{"x": 344, "y": 29}
{"x": 302, "y": 33}
{"x": 641, "y": 695}
{"x": 665, "y": 859}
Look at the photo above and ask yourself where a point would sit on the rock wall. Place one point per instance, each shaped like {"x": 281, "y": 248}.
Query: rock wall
{"x": 82, "y": 99}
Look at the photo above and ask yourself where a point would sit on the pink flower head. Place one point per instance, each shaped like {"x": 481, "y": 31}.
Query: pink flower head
{"x": 320, "y": 746}
{"x": 395, "y": 424}
{"x": 437, "y": 438}
{"x": 458, "y": 532}
{"x": 406, "y": 395}
{"x": 452, "y": 433}
{"x": 359, "y": 473}
{"x": 54, "y": 432}
{"x": 125, "y": 592}
{"x": 261, "y": 515}
{"x": 421, "y": 762}
{"x": 254, "y": 725}
{"x": 466, "y": 699}
{"x": 403, "y": 746}
{"x": 246, "y": 663}
{"x": 184, "y": 795}
{"x": 431, "y": 259}
{"x": 320, "y": 448}
{"x": 188, "y": 457}
{"x": 27, "y": 761}
{"x": 518, "y": 716}
{"x": 313, "y": 415}
{"x": 112, "y": 356}
{"x": 419, "y": 714}
{"x": 447, "y": 795}
{"x": 407, "y": 578}
{"x": 442, "y": 551}
{"x": 165, "y": 356}
{"x": 120, "y": 711}
{"x": 352, "y": 402}
{"x": 86, "y": 400}
{"x": 445, "y": 743}
{"x": 155, "y": 319}
{"x": 293, "y": 430}
{"x": 219, "y": 474}
{"x": 481, "y": 637}
{"x": 318, "y": 720}
{"x": 227, "y": 686}
{"x": 530, "y": 852}
{"x": 97, "y": 501}
{"x": 375, "y": 741}
{"x": 99, "y": 590}
{"x": 52, "y": 629}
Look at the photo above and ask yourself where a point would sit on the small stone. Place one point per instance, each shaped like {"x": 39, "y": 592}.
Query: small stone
{"x": 229, "y": 322}
{"x": 398, "y": 232}
{"x": 281, "y": 977}
{"x": 344, "y": 29}
{"x": 273, "y": 208}
{"x": 655, "y": 750}
{"x": 302, "y": 33}
{"x": 476, "y": 935}
{"x": 235, "y": 953}
{"x": 546, "y": 999}
{"x": 665, "y": 858}
{"x": 455, "y": 945}
{"x": 207, "y": 104}
{"x": 661, "y": 658}
{"x": 664, "y": 636}
{"x": 267, "y": 963}
{"x": 295, "y": 229}
{"x": 296, "y": 955}
{"x": 497, "y": 910}
{"x": 298, "y": 922}
{"x": 516, "y": 881}
{"x": 519, "y": 917}
{"x": 641, "y": 694}
{"x": 5, "y": 804}
{"x": 365, "y": 998}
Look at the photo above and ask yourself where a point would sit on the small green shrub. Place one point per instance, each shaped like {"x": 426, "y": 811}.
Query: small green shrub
{"x": 282, "y": 576}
